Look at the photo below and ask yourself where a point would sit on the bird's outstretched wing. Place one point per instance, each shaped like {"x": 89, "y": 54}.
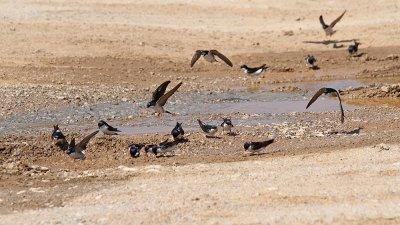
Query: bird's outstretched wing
{"x": 82, "y": 144}
{"x": 160, "y": 91}
{"x": 315, "y": 97}
{"x": 337, "y": 19}
{"x": 196, "y": 57}
{"x": 164, "y": 98}
{"x": 221, "y": 56}
{"x": 321, "y": 20}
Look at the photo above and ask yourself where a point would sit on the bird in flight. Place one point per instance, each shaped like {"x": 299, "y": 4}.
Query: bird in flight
{"x": 159, "y": 98}
{"x": 209, "y": 55}
{"x": 326, "y": 90}
{"x": 254, "y": 146}
{"x": 107, "y": 129}
{"x": 76, "y": 151}
{"x": 158, "y": 93}
{"x": 329, "y": 28}
{"x": 254, "y": 70}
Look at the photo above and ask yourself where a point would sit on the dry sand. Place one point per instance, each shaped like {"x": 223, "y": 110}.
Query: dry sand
{"x": 74, "y": 62}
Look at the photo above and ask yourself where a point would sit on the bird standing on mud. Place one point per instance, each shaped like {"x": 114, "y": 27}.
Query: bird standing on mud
{"x": 77, "y": 151}
{"x": 255, "y": 147}
{"x": 353, "y": 48}
{"x": 226, "y": 126}
{"x": 163, "y": 148}
{"x": 209, "y": 56}
{"x": 311, "y": 62}
{"x": 58, "y": 137}
{"x": 178, "y": 132}
{"x": 329, "y": 28}
{"x": 327, "y": 91}
{"x": 254, "y": 70}
{"x": 107, "y": 129}
{"x": 134, "y": 150}
{"x": 209, "y": 130}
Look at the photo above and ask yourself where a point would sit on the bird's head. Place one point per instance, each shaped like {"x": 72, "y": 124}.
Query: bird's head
{"x": 227, "y": 121}
{"x": 243, "y": 66}
{"x": 150, "y": 104}
{"x": 101, "y": 123}
{"x": 246, "y": 145}
{"x": 56, "y": 127}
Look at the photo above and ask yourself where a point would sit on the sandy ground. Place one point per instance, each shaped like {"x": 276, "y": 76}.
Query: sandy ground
{"x": 348, "y": 186}
{"x": 75, "y": 62}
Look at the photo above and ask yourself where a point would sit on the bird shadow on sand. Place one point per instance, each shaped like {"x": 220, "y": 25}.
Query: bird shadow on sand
{"x": 165, "y": 156}
{"x": 328, "y": 42}
{"x": 232, "y": 134}
{"x": 356, "y": 131}
{"x": 358, "y": 55}
{"x": 255, "y": 154}
{"x": 213, "y": 137}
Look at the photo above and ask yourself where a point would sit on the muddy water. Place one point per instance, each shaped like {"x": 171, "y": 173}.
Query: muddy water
{"x": 260, "y": 107}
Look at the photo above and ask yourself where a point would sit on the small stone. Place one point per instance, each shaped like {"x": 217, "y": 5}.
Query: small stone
{"x": 385, "y": 89}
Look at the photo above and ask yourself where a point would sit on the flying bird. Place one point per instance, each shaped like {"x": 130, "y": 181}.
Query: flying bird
{"x": 158, "y": 93}
{"x": 107, "y": 129}
{"x": 326, "y": 90}
{"x": 134, "y": 150}
{"x": 162, "y": 149}
{"x": 353, "y": 48}
{"x": 226, "y": 125}
{"x": 209, "y": 130}
{"x": 254, "y": 70}
{"x": 77, "y": 151}
{"x": 209, "y": 55}
{"x": 178, "y": 132}
{"x": 253, "y": 146}
{"x": 159, "y": 104}
{"x": 311, "y": 62}
{"x": 58, "y": 137}
{"x": 329, "y": 28}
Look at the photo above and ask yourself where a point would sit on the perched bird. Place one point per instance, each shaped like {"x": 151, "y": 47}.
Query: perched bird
{"x": 134, "y": 150}
{"x": 177, "y": 133}
{"x": 161, "y": 149}
{"x": 226, "y": 125}
{"x": 209, "y": 55}
{"x": 107, "y": 129}
{"x": 254, "y": 147}
{"x": 329, "y": 28}
{"x": 159, "y": 105}
{"x": 254, "y": 70}
{"x": 311, "y": 62}
{"x": 209, "y": 130}
{"x": 158, "y": 93}
{"x": 77, "y": 151}
{"x": 353, "y": 48}
{"x": 327, "y": 91}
